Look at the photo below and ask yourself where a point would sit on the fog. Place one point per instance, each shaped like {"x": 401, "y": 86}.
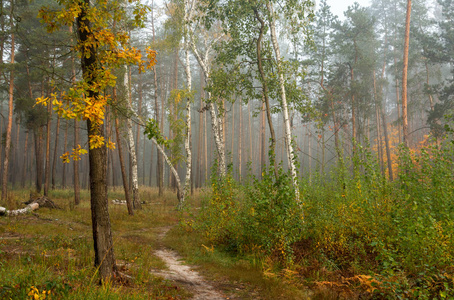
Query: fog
{"x": 339, "y": 6}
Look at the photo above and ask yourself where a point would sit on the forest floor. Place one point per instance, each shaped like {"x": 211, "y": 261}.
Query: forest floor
{"x": 183, "y": 274}
{"x": 49, "y": 252}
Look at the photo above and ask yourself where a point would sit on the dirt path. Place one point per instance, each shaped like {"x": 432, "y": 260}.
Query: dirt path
{"x": 183, "y": 274}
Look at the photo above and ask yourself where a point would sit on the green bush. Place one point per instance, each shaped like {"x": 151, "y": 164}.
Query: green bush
{"x": 265, "y": 221}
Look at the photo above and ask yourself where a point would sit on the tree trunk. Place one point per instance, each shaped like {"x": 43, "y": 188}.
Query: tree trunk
{"x": 102, "y": 235}
{"x": 24, "y": 168}
{"x": 161, "y": 170}
{"x": 250, "y": 130}
{"x": 377, "y": 120}
{"x": 240, "y": 137}
{"x": 266, "y": 98}
{"x": 76, "y": 165}
{"x": 48, "y": 137}
{"x": 187, "y": 137}
{"x": 123, "y": 169}
{"x": 388, "y": 151}
{"x": 288, "y": 131}
{"x": 76, "y": 139}
{"x": 216, "y": 124}
{"x": 199, "y": 140}
{"x": 206, "y": 146}
{"x": 262, "y": 141}
{"x": 65, "y": 145}
{"x": 404, "y": 75}
{"x": 54, "y": 160}
{"x": 132, "y": 146}
{"x": 139, "y": 111}
{"x": 15, "y": 158}
{"x": 309, "y": 140}
{"x": 10, "y": 121}
{"x": 232, "y": 154}
{"x": 159, "y": 165}
{"x": 37, "y": 134}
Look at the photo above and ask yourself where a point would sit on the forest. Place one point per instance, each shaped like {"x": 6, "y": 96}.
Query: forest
{"x": 226, "y": 149}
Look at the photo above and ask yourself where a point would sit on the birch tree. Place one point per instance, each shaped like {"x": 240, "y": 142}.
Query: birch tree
{"x": 188, "y": 11}
{"x": 288, "y": 131}
{"x": 216, "y": 122}
{"x": 132, "y": 146}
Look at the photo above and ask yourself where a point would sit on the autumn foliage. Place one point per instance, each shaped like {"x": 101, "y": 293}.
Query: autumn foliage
{"x": 113, "y": 49}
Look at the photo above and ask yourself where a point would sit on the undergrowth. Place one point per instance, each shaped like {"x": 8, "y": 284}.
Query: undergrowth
{"x": 357, "y": 233}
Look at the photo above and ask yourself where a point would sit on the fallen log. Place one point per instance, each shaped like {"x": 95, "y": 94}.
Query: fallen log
{"x": 32, "y": 204}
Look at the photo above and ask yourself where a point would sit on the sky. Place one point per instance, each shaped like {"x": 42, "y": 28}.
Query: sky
{"x": 339, "y": 6}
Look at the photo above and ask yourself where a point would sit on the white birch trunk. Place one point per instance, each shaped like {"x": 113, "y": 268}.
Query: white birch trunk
{"x": 132, "y": 147}
{"x": 216, "y": 123}
{"x": 29, "y": 208}
{"x": 288, "y": 130}
{"x": 187, "y": 137}
{"x": 166, "y": 158}
{"x": 180, "y": 193}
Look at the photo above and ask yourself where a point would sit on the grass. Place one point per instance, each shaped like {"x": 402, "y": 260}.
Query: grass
{"x": 248, "y": 274}
{"x": 49, "y": 255}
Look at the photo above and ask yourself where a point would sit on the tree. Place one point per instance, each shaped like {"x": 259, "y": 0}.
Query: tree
{"x": 404, "y": 74}
{"x": 101, "y": 51}
{"x": 288, "y": 132}
{"x": 10, "y": 112}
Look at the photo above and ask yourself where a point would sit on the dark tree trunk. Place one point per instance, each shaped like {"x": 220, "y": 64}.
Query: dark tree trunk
{"x": 54, "y": 160}
{"x": 65, "y": 145}
{"x": 37, "y": 134}
{"x": 48, "y": 137}
{"x": 102, "y": 235}
{"x": 24, "y": 168}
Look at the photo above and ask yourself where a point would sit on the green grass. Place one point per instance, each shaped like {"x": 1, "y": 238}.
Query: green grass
{"x": 248, "y": 274}
{"x": 51, "y": 250}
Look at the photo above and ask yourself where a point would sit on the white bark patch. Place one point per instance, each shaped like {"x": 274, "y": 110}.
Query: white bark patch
{"x": 132, "y": 147}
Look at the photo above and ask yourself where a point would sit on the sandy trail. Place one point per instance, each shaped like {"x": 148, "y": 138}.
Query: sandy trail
{"x": 183, "y": 274}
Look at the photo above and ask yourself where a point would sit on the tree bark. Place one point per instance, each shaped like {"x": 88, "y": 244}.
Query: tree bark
{"x": 240, "y": 138}
{"x": 37, "y": 134}
{"x": 262, "y": 140}
{"x": 54, "y": 160}
{"x": 199, "y": 140}
{"x": 10, "y": 121}
{"x": 102, "y": 235}
{"x": 65, "y": 145}
{"x": 139, "y": 111}
{"x": 123, "y": 170}
{"x": 266, "y": 98}
{"x": 216, "y": 124}
{"x": 76, "y": 139}
{"x": 132, "y": 146}
{"x": 288, "y": 131}
{"x": 377, "y": 120}
{"x": 404, "y": 75}
{"x": 388, "y": 151}
{"x": 187, "y": 137}
{"x": 48, "y": 137}
{"x": 24, "y": 167}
